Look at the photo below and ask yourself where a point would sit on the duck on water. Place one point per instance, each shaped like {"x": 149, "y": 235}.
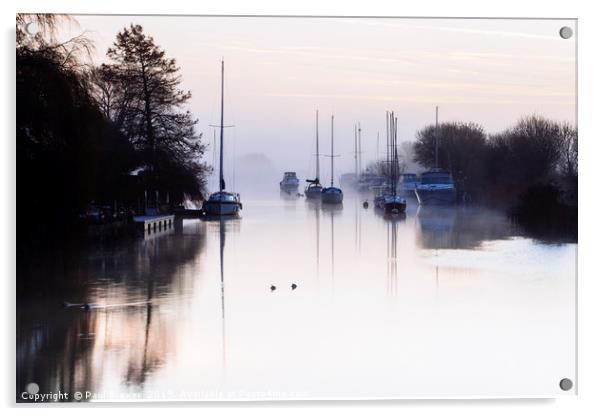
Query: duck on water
{"x": 222, "y": 202}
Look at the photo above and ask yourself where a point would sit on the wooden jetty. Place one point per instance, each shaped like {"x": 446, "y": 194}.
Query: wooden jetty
{"x": 150, "y": 224}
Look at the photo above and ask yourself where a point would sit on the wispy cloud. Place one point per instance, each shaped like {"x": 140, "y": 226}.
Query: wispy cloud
{"x": 423, "y": 99}
{"x": 490, "y": 32}
{"x": 402, "y": 24}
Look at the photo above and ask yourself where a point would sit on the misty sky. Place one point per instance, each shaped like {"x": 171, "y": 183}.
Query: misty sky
{"x": 280, "y": 70}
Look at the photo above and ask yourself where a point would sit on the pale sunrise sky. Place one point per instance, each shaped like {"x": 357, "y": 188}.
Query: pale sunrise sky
{"x": 280, "y": 70}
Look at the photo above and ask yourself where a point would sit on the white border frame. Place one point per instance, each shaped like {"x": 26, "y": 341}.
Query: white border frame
{"x": 589, "y": 309}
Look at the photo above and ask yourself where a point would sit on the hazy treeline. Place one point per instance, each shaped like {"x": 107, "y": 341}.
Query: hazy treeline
{"x": 531, "y": 168}
{"x": 102, "y": 134}
{"x": 534, "y": 150}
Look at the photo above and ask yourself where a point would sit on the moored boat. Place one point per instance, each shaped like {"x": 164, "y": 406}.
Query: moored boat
{"x": 407, "y": 185}
{"x": 332, "y": 194}
{"x": 394, "y": 204}
{"x": 314, "y": 188}
{"x": 289, "y": 182}
{"x": 388, "y": 198}
{"x": 222, "y": 202}
{"x": 436, "y": 186}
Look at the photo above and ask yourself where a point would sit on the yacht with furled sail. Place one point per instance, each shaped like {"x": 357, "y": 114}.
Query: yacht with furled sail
{"x": 387, "y": 198}
{"x": 314, "y": 188}
{"x": 393, "y": 203}
{"x": 332, "y": 194}
{"x": 222, "y": 202}
{"x": 436, "y": 185}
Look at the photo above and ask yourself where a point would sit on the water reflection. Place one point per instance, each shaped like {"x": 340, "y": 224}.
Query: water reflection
{"x": 375, "y": 297}
{"x": 392, "y": 257}
{"x": 314, "y": 206}
{"x": 71, "y": 348}
{"x": 223, "y": 226}
{"x": 461, "y": 227}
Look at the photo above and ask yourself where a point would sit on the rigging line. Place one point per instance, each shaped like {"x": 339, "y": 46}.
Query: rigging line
{"x": 234, "y": 142}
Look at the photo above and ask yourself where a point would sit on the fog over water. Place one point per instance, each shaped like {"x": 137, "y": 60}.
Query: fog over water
{"x": 441, "y": 302}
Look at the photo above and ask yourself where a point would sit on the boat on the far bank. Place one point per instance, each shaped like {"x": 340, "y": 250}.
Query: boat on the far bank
{"x": 436, "y": 187}
{"x": 407, "y": 185}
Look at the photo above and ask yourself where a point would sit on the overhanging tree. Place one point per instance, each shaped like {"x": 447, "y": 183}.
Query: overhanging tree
{"x": 140, "y": 91}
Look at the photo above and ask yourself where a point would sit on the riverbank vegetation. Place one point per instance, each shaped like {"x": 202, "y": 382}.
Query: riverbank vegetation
{"x": 530, "y": 169}
{"x": 118, "y": 135}
{"x": 112, "y": 135}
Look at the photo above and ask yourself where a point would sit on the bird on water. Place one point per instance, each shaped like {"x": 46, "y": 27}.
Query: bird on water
{"x": 293, "y": 286}
{"x": 272, "y": 288}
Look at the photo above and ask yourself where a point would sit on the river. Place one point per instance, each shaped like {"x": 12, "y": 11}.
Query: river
{"x": 443, "y": 302}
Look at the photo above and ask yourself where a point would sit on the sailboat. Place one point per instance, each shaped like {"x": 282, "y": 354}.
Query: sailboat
{"x": 332, "y": 195}
{"x": 222, "y": 202}
{"x": 393, "y": 203}
{"x": 388, "y": 199}
{"x": 314, "y": 189}
{"x": 436, "y": 186}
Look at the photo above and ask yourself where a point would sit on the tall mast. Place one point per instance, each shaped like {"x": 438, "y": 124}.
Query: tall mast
{"x": 391, "y": 152}
{"x": 436, "y": 137}
{"x": 355, "y": 149}
{"x": 222, "y": 184}
{"x": 388, "y": 163}
{"x": 331, "y": 151}
{"x": 396, "y": 166}
{"x": 317, "y": 151}
{"x": 359, "y": 146}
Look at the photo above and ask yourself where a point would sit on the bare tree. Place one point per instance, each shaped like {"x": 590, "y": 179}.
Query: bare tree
{"x": 568, "y": 153}
{"x": 73, "y": 54}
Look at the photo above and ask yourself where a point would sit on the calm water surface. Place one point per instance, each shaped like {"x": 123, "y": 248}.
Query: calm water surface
{"x": 442, "y": 302}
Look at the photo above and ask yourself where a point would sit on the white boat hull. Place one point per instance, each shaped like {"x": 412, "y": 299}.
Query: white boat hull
{"x": 434, "y": 195}
{"x": 221, "y": 208}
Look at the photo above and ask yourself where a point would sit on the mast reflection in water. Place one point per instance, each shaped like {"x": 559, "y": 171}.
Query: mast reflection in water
{"x": 192, "y": 312}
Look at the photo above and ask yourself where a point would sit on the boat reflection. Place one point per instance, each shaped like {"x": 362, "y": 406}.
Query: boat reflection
{"x": 392, "y": 257}
{"x": 223, "y": 226}
{"x": 441, "y": 227}
{"x": 289, "y": 195}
